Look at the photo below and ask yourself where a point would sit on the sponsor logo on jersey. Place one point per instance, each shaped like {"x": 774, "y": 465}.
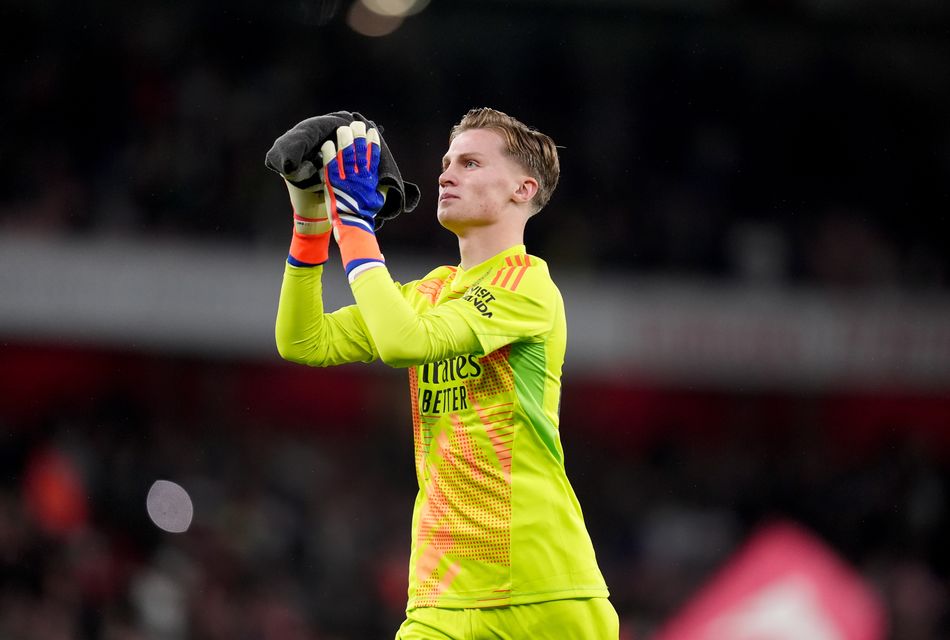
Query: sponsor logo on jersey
{"x": 435, "y": 397}
{"x": 480, "y": 297}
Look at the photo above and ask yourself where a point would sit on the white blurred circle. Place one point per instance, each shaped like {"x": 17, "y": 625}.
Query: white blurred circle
{"x": 368, "y": 23}
{"x": 169, "y": 506}
{"x": 395, "y": 8}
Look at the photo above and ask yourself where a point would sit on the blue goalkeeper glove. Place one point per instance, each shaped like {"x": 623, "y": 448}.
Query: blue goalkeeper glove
{"x": 351, "y": 177}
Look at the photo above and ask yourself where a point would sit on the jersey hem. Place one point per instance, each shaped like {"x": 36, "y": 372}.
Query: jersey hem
{"x": 492, "y": 600}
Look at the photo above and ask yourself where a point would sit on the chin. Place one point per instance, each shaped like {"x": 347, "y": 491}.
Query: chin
{"x": 447, "y": 218}
{"x": 458, "y": 219}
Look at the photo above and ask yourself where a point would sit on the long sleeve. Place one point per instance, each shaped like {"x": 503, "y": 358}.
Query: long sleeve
{"x": 307, "y": 335}
{"x": 403, "y": 336}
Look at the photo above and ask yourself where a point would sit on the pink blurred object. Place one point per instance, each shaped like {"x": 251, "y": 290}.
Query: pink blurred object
{"x": 785, "y": 584}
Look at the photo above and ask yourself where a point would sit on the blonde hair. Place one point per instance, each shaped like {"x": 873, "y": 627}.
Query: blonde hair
{"x": 532, "y": 149}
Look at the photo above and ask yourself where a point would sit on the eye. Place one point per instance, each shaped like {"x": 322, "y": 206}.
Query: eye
{"x": 470, "y": 163}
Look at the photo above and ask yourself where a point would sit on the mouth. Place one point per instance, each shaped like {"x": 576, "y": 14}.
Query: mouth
{"x": 447, "y": 196}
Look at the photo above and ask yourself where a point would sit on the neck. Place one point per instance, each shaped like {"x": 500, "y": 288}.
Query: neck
{"x": 479, "y": 244}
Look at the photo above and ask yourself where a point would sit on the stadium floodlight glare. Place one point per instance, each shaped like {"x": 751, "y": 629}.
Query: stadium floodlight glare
{"x": 395, "y": 8}
{"x": 370, "y": 23}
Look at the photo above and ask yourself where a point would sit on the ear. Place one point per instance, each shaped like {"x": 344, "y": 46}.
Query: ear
{"x": 526, "y": 190}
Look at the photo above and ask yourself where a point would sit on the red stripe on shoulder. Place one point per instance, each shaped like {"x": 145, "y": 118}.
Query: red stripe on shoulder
{"x": 431, "y": 288}
{"x": 508, "y": 272}
{"x": 510, "y": 276}
{"x": 521, "y": 272}
{"x": 501, "y": 271}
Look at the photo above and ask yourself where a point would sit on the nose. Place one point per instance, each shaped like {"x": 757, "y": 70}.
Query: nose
{"x": 447, "y": 177}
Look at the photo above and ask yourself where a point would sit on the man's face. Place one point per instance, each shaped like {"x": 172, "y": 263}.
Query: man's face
{"x": 478, "y": 180}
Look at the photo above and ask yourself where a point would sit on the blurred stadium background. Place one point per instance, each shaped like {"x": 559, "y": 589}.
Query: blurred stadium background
{"x": 750, "y": 235}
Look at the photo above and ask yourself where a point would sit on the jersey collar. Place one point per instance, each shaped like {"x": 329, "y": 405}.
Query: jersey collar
{"x": 464, "y": 278}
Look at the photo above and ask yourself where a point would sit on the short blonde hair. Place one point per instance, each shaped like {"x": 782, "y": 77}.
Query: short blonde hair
{"x": 532, "y": 149}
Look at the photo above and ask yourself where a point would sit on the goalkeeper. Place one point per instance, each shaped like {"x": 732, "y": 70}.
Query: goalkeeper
{"x": 499, "y": 545}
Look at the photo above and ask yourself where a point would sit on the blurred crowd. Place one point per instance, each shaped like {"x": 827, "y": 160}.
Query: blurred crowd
{"x": 777, "y": 145}
{"x": 765, "y": 143}
{"x": 302, "y": 510}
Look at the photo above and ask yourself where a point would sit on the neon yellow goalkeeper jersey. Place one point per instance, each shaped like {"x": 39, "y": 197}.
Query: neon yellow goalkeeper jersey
{"x": 496, "y": 521}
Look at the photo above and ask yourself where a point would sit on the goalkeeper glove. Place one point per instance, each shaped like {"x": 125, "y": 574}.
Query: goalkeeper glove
{"x": 353, "y": 195}
{"x": 310, "y": 245}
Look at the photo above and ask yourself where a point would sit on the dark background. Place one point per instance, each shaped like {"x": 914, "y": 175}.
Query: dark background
{"x": 692, "y": 134}
{"x": 680, "y": 128}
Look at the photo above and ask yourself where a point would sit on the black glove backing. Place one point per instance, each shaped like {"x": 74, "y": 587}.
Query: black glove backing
{"x": 296, "y": 156}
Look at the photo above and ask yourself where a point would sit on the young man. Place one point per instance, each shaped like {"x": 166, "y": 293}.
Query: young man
{"x": 499, "y": 545}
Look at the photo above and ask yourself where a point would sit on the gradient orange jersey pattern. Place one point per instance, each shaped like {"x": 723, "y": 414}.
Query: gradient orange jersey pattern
{"x": 496, "y": 521}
